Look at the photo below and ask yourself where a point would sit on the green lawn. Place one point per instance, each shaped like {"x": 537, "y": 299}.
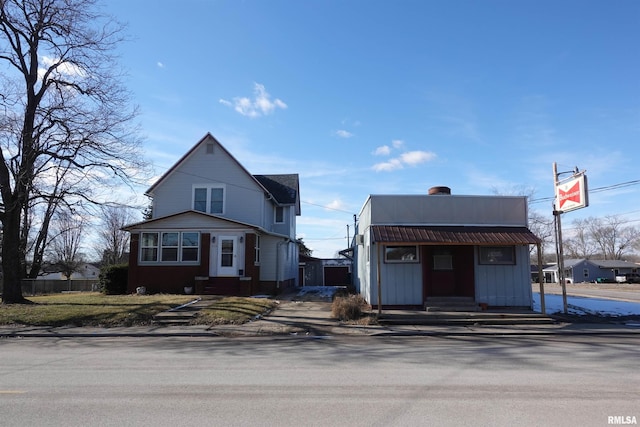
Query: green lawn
{"x": 96, "y": 309}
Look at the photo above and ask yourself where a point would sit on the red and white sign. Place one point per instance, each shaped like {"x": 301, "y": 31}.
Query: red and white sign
{"x": 571, "y": 194}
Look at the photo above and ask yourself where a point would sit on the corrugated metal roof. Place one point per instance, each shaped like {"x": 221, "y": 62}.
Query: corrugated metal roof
{"x": 442, "y": 235}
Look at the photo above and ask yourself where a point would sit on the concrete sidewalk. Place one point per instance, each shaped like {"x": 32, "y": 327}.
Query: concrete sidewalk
{"x": 313, "y": 319}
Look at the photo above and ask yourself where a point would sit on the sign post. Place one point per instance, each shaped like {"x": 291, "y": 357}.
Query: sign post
{"x": 570, "y": 194}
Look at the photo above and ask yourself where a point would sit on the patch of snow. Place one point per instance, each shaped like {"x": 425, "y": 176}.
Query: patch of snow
{"x": 319, "y": 291}
{"x": 583, "y": 305}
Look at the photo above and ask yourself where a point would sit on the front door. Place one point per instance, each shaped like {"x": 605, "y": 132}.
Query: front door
{"x": 448, "y": 271}
{"x": 227, "y": 262}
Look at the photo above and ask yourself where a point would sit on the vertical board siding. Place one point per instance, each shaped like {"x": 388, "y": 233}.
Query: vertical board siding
{"x": 401, "y": 284}
{"x": 505, "y": 285}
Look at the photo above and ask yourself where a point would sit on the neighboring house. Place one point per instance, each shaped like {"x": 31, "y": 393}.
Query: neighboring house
{"x": 324, "y": 271}
{"x": 410, "y": 248}
{"x": 217, "y": 227}
{"x": 85, "y": 271}
{"x": 589, "y": 270}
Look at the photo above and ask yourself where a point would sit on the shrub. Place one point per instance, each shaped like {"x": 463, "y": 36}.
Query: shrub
{"x": 113, "y": 279}
{"x": 348, "y": 307}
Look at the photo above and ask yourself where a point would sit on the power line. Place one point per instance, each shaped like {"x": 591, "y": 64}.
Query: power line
{"x": 593, "y": 190}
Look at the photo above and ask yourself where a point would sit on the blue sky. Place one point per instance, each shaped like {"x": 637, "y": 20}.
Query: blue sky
{"x": 367, "y": 97}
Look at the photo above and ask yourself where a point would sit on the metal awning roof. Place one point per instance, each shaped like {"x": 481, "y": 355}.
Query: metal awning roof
{"x": 458, "y": 235}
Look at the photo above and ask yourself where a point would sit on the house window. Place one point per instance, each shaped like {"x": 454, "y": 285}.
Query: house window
{"x": 585, "y": 273}
{"x": 279, "y": 214}
{"x": 190, "y": 245}
{"x": 217, "y": 200}
{"x": 497, "y": 255}
{"x": 209, "y": 198}
{"x": 401, "y": 254}
{"x": 200, "y": 199}
{"x": 226, "y": 253}
{"x": 170, "y": 246}
{"x": 210, "y": 148}
{"x": 149, "y": 247}
{"x": 442, "y": 260}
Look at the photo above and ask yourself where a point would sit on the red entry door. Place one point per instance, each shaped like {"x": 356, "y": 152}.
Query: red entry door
{"x": 448, "y": 271}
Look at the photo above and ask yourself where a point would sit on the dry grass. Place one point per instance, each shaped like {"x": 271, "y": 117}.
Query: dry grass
{"x": 89, "y": 309}
{"x": 348, "y": 308}
{"x": 233, "y": 310}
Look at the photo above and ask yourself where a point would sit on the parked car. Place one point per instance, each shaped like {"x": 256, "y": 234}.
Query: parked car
{"x": 603, "y": 280}
{"x": 630, "y": 278}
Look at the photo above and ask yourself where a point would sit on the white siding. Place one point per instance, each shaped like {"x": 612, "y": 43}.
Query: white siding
{"x": 244, "y": 198}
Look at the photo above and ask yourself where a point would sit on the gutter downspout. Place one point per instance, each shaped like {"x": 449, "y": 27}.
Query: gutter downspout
{"x": 278, "y": 262}
{"x": 379, "y": 281}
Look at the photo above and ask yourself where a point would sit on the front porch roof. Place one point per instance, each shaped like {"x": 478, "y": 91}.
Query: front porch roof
{"x": 453, "y": 235}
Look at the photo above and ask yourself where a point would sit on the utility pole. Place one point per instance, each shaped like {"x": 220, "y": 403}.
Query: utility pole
{"x": 559, "y": 251}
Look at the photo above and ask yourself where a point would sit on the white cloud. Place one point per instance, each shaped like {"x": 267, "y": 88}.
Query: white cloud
{"x": 260, "y": 105}
{"x": 159, "y": 64}
{"x": 383, "y": 150}
{"x": 62, "y": 67}
{"x": 410, "y": 158}
{"x": 391, "y": 165}
{"x": 344, "y": 133}
{"x": 413, "y": 158}
{"x": 336, "y": 204}
{"x": 397, "y": 143}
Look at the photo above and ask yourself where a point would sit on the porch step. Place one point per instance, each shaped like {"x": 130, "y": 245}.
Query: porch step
{"x": 180, "y": 315}
{"x": 465, "y": 319}
{"x": 451, "y": 304}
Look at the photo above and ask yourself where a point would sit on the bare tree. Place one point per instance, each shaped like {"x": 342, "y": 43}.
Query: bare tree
{"x": 113, "y": 242}
{"x": 539, "y": 224}
{"x": 66, "y": 242}
{"x": 611, "y": 236}
{"x": 542, "y": 227}
{"x": 66, "y": 124}
{"x": 580, "y": 244}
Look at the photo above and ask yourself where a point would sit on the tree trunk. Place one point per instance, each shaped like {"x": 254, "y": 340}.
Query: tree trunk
{"x": 11, "y": 259}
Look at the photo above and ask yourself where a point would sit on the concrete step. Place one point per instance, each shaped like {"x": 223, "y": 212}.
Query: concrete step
{"x": 452, "y": 304}
{"x": 452, "y": 308}
{"x": 462, "y": 319}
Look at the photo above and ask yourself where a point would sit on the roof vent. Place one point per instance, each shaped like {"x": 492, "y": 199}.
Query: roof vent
{"x": 440, "y": 191}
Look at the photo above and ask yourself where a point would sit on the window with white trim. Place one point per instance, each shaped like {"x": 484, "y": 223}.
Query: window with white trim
{"x": 149, "y": 247}
{"x": 170, "y": 246}
{"x": 209, "y": 198}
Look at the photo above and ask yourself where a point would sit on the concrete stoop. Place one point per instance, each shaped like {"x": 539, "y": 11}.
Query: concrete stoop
{"x": 462, "y": 319}
{"x": 451, "y": 304}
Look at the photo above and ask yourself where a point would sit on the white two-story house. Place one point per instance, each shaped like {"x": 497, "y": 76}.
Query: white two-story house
{"x": 217, "y": 228}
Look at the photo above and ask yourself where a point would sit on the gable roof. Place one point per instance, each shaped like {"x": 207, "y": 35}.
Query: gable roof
{"x": 613, "y": 263}
{"x": 182, "y": 159}
{"x": 285, "y": 189}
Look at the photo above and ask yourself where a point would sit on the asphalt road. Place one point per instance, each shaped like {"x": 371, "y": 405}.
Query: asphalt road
{"x": 363, "y": 381}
